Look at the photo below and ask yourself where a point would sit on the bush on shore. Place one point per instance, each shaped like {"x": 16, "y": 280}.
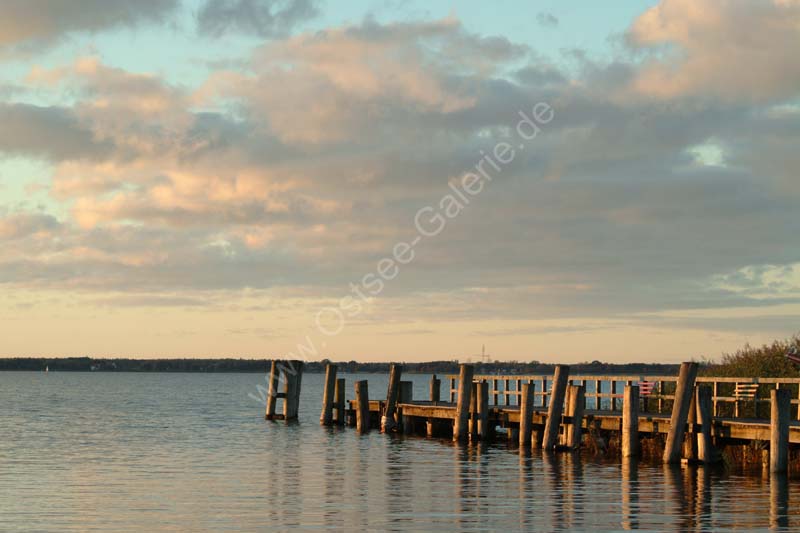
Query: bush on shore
{"x": 768, "y": 360}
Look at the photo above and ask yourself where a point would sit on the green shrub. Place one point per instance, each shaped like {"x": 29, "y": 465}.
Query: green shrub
{"x": 767, "y": 361}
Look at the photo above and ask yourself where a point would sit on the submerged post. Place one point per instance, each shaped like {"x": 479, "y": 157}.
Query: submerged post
{"x": 460, "y": 426}
{"x": 436, "y": 387}
{"x": 293, "y": 372}
{"x": 388, "y": 422}
{"x": 630, "y": 421}
{"x": 556, "y": 407}
{"x": 779, "y": 430}
{"x": 526, "y": 414}
{"x": 577, "y": 395}
{"x": 272, "y": 393}
{"x": 326, "y": 417}
{"x": 362, "y": 406}
{"x": 705, "y": 406}
{"x": 680, "y": 412}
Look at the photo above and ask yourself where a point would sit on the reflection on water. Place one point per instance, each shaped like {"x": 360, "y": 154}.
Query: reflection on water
{"x": 191, "y": 451}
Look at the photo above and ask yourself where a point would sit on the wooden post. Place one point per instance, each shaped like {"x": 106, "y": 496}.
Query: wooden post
{"x": 526, "y": 414}
{"x": 272, "y": 392}
{"x": 567, "y": 410}
{"x": 715, "y": 411}
{"x": 680, "y": 412}
{"x": 460, "y": 426}
{"x": 338, "y": 401}
{"x": 472, "y": 423}
{"x": 362, "y": 406}
{"x": 630, "y": 421}
{"x": 705, "y": 408}
{"x": 614, "y": 402}
{"x": 436, "y": 386}
{"x": 483, "y": 410}
{"x": 779, "y": 430}
{"x": 690, "y": 439}
{"x": 388, "y": 422}
{"x": 406, "y": 395}
{"x": 326, "y": 417}
{"x": 554, "y": 411}
{"x": 576, "y": 404}
{"x": 293, "y": 372}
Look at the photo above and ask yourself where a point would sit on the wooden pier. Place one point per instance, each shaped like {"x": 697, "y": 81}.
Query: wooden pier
{"x": 694, "y": 416}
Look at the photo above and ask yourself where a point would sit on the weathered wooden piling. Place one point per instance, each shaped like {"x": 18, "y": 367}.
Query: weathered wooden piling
{"x": 362, "y": 406}
{"x": 556, "y": 407}
{"x": 577, "y": 401}
{"x": 388, "y": 422}
{"x": 705, "y": 407}
{"x": 472, "y": 422}
{"x": 338, "y": 401}
{"x": 436, "y": 387}
{"x": 630, "y": 421}
{"x": 680, "y": 412}
{"x": 690, "y": 438}
{"x": 460, "y": 426}
{"x": 483, "y": 410}
{"x": 326, "y": 417}
{"x": 272, "y": 390}
{"x": 526, "y": 414}
{"x": 780, "y": 403}
{"x": 293, "y": 374}
{"x": 406, "y": 395}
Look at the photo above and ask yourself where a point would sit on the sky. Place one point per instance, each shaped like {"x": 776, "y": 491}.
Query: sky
{"x": 558, "y": 181}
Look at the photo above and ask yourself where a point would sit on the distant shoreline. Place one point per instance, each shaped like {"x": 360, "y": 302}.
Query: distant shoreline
{"x": 230, "y": 365}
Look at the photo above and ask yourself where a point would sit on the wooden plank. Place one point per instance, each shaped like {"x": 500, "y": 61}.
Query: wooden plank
{"x": 555, "y": 410}
{"x": 680, "y": 412}
{"x": 362, "y": 406}
{"x": 388, "y": 422}
{"x": 779, "y": 431}
{"x": 326, "y": 417}
{"x": 460, "y": 426}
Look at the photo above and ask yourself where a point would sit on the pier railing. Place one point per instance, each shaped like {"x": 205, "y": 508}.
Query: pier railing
{"x": 732, "y": 397}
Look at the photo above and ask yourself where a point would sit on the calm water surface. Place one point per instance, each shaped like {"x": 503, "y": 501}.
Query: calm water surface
{"x": 84, "y": 451}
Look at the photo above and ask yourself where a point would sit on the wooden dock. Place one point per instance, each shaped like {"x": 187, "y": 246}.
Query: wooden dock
{"x": 693, "y": 416}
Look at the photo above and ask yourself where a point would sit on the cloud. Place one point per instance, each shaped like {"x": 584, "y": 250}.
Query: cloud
{"x": 302, "y": 170}
{"x": 729, "y": 48}
{"x": 264, "y": 18}
{"x": 20, "y": 225}
{"x": 50, "y": 132}
{"x": 547, "y": 20}
{"x": 32, "y": 24}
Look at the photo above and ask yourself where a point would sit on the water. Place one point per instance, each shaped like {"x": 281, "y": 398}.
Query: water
{"x": 192, "y": 452}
